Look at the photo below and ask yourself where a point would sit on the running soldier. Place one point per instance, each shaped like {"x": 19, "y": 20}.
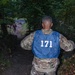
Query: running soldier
{"x": 45, "y": 45}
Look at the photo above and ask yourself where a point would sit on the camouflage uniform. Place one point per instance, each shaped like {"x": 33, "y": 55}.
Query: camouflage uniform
{"x": 46, "y": 66}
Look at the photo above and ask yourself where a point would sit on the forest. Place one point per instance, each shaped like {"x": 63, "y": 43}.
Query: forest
{"x": 11, "y": 54}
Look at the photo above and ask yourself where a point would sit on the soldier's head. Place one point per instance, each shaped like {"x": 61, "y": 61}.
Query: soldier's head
{"x": 47, "y": 22}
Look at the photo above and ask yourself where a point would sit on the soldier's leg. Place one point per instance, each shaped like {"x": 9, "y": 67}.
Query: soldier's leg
{"x": 54, "y": 66}
{"x": 34, "y": 72}
{"x": 51, "y": 73}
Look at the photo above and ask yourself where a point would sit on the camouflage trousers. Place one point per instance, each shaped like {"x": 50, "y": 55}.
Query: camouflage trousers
{"x": 35, "y": 72}
{"x": 44, "y": 66}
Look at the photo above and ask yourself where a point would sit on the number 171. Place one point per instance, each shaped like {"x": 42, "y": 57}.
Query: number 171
{"x": 46, "y": 43}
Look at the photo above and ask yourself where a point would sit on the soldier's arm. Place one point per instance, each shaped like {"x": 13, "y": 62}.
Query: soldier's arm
{"x": 65, "y": 44}
{"x": 27, "y": 41}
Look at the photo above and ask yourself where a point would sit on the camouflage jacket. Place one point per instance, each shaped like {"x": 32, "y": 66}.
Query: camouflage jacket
{"x": 46, "y": 65}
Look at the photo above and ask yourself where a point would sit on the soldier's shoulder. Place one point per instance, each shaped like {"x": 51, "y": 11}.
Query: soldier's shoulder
{"x": 37, "y": 31}
{"x": 56, "y": 33}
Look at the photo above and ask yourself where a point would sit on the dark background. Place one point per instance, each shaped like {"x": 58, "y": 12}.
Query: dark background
{"x": 16, "y": 61}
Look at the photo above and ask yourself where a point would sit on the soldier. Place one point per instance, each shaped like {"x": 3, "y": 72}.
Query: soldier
{"x": 45, "y": 45}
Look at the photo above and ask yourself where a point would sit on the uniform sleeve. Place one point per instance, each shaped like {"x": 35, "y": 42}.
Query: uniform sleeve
{"x": 27, "y": 41}
{"x": 65, "y": 44}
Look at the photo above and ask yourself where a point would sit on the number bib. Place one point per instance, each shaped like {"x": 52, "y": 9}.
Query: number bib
{"x": 46, "y": 45}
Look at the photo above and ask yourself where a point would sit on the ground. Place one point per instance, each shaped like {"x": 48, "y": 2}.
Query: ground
{"x": 68, "y": 66}
{"x": 20, "y": 63}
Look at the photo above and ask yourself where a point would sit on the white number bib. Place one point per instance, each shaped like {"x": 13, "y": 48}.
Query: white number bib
{"x": 46, "y": 43}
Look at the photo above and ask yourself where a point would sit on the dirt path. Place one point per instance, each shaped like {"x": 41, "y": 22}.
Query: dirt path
{"x": 21, "y": 63}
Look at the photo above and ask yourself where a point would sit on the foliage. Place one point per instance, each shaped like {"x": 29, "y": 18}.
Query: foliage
{"x": 68, "y": 66}
{"x": 4, "y": 54}
{"x": 62, "y": 12}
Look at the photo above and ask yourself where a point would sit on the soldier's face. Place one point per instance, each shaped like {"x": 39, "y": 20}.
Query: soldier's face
{"x": 47, "y": 25}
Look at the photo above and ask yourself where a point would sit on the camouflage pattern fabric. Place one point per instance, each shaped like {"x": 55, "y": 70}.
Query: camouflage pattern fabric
{"x": 46, "y": 66}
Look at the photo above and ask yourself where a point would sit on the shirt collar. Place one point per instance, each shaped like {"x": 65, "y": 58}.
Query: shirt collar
{"x": 47, "y": 31}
